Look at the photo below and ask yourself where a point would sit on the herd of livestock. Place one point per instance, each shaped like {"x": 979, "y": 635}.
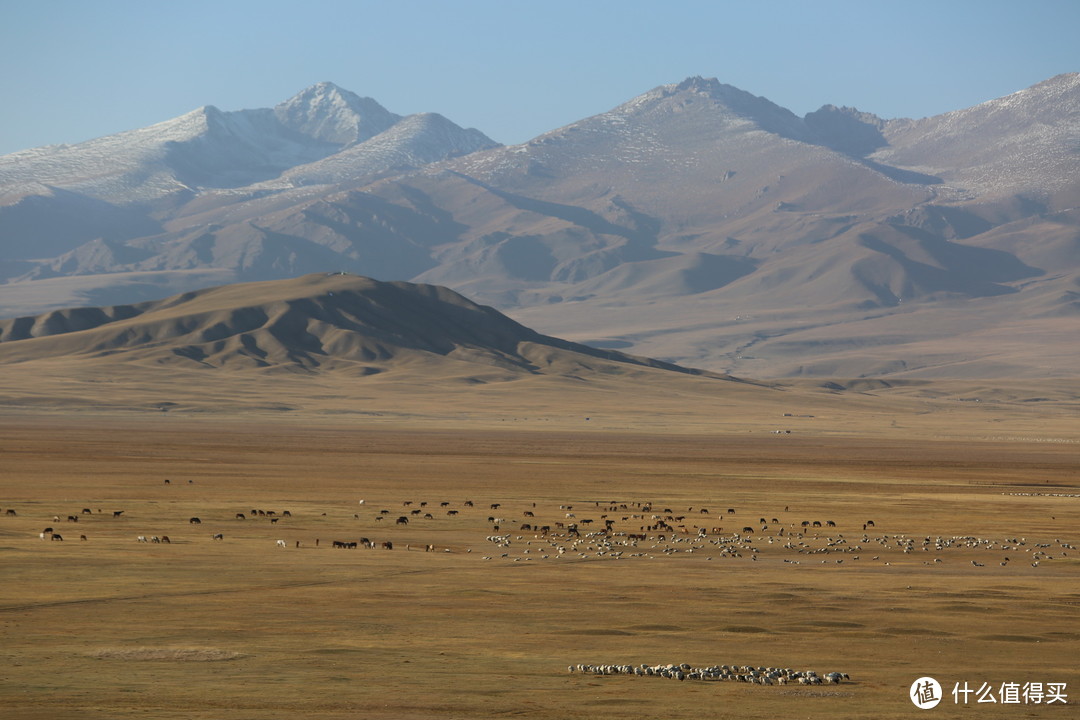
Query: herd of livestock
{"x": 616, "y": 530}
{"x": 733, "y": 673}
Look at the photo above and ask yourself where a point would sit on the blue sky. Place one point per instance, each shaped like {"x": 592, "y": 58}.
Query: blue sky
{"x": 71, "y": 70}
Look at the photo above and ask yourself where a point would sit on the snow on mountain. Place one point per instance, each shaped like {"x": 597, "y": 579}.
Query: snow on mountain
{"x": 330, "y": 114}
{"x": 695, "y": 222}
{"x": 205, "y": 147}
{"x": 209, "y": 148}
{"x": 1024, "y": 142}
{"x": 412, "y": 142}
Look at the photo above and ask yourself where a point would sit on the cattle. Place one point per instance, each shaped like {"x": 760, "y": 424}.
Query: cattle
{"x": 82, "y": 537}
{"x": 403, "y": 520}
{"x": 817, "y": 523}
{"x": 86, "y": 511}
{"x": 117, "y": 513}
{"x": 73, "y": 518}
{"x": 286, "y": 513}
{"x": 141, "y": 538}
{"x": 195, "y": 521}
{"x": 830, "y": 523}
{"x": 281, "y": 543}
{"x": 241, "y": 516}
{"x": 870, "y": 523}
{"x": 165, "y": 539}
{"x": 274, "y": 520}
{"x": 219, "y": 536}
{"x": 451, "y": 513}
{"x": 57, "y": 537}
{"x": 731, "y": 511}
{"x": 167, "y": 481}
{"x": 10, "y": 512}
{"x": 388, "y": 545}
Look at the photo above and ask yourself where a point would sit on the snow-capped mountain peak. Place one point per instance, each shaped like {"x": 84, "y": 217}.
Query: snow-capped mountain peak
{"x": 330, "y": 114}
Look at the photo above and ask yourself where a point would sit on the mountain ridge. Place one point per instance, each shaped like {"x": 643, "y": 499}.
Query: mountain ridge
{"x": 663, "y": 220}
{"x": 317, "y": 322}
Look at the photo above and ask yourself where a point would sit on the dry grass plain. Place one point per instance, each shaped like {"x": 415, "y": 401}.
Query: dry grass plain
{"x": 241, "y": 628}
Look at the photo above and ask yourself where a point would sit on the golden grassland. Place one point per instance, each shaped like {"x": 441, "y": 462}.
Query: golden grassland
{"x": 111, "y": 627}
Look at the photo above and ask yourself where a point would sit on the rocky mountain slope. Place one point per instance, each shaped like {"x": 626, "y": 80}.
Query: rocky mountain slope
{"x": 696, "y": 222}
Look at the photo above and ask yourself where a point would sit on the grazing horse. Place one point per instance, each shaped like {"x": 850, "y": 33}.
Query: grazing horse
{"x": 195, "y": 521}
{"x": 73, "y": 518}
{"x": 403, "y": 520}
{"x": 117, "y": 513}
{"x": 241, "y": 516}
{"x": 57, "y": 537}
{"x": 388, "y": 545}
{"x": 219, "y": 536}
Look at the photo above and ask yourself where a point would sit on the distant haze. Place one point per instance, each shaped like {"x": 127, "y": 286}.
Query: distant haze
{"x": 697, "y": 223}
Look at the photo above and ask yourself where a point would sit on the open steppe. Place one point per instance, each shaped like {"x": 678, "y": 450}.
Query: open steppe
{"x": 241, "y": 628}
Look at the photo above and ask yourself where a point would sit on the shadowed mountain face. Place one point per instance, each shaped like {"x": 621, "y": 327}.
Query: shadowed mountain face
{"x": 315, "y": 323}
{"x": 696, "y": 222}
